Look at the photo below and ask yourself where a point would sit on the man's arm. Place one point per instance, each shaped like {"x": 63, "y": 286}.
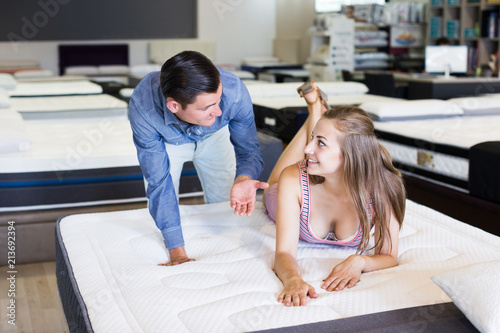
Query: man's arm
{"x": 155, "y": 166}
{"x": 249, "y": 160}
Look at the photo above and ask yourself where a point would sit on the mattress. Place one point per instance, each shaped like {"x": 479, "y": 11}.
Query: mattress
{"x": 257, "y": 89}
{"x": 283, "y": 116}
{"x": 63, "y": 78}
{"x": 76, "y": 106}
{"x": 439, "y": 149}
{"x": 333, "y": 100}
{"x": 72, "y": 163}
{"x": 55, "y": 88}
{"x": 109, "y": 279}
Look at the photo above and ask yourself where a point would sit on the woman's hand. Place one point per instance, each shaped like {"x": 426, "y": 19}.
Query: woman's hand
{"x": 296, "y": 292}
{"x": 347, "y": 273}
{"x": 312, "y": 96}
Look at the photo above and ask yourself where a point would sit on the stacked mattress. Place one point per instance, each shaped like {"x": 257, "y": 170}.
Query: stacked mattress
{"x": 72, "y": 163}
{"x": 69, "y": 146}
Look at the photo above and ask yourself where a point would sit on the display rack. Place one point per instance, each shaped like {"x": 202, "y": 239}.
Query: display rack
{"x": 467, "y": 22}
{"x": 332, "y": 49}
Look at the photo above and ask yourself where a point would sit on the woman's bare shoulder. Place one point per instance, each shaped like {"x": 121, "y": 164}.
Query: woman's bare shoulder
{"x": 290, "y": 179}
{"x": 290, "y": 173}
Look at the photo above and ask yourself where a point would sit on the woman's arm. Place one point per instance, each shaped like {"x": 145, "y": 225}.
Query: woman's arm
{"x": 348, "y": 272}
{"x": 295, "y": 290}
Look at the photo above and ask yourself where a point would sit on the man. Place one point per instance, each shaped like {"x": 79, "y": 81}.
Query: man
{"x": 192, "y": 110}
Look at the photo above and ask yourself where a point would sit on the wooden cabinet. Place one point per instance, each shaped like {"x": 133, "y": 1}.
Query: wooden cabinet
{"x": 466, "y": 22}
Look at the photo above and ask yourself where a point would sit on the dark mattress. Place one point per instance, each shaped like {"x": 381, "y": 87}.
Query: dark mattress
{"x": 484, "y": 162}
{"x": 27, "y": 189}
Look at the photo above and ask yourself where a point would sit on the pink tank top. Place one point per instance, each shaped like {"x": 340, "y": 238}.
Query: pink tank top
{"x": 306, "y": 233}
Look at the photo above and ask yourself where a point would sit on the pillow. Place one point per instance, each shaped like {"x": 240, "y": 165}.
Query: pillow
{"x": 143, "y": 70}
{"x": 33, "y": 73}
{"x": 475, "y": 290}
{"x": 342, "y": 88}
{"x": 406, "y": 110}
{"x": 243, "y": 75}
{"x": 289, "y": 89}
{"x": 13, "y": 136}
{"x": 478, "y": 105}
{"x": 7, "y": 81}
{"x": 113, "y": 69}
{"x": 255, "y": 61}
{"x": 126, "y": 92}
{"x": 81, "y": 70}
{"x": 4, "y": 99}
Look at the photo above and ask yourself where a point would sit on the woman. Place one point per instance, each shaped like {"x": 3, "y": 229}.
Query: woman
{"x": 346, "y": 186}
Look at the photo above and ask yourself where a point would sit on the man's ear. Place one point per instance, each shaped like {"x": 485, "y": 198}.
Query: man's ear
{"x": 173, "y": 105}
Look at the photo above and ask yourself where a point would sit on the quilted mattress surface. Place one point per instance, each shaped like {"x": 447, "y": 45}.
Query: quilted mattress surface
{"x": 64, "y": 103}
{"x": 461, "y": 132}
{"x": 297, "y": 101}
{"x": 54, "y": 88}
{"x": 74, "y": 106}
{"x": 231, "y": 287}
{"x": 67, "y": 144}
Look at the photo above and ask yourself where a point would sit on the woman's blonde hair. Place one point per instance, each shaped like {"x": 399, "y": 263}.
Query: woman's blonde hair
{"x": 368, "y": 173}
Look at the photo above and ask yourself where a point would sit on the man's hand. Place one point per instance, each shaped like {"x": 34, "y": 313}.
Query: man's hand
{"x": 177, "y": 256}
{"x": 243, "y": 194}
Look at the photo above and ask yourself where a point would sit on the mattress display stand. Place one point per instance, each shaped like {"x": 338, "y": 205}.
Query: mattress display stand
{"x": 35, "y": 230}
{"x": 459, "y": 205}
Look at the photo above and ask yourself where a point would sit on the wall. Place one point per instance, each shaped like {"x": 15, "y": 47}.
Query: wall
{"x": 241, "y": 28}
{"x": 293, "y": 19}
{"x": 46, "y": 52}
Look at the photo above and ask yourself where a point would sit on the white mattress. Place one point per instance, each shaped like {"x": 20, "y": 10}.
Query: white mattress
{"x": 297, "y": 101}
{"x": 443, "y": 164}
{"x": 232, "y": 287}
{"x": 55, "y": 88}
{"x": 68, "y": 145}
{"x": 63, "y": 78}
{"x": 463, "y": 132}
{"x": 77, "y": 106}
{"x": 289, "y": 89}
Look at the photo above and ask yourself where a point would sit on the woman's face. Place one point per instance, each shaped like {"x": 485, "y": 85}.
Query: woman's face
{"x": 323, "y": 152}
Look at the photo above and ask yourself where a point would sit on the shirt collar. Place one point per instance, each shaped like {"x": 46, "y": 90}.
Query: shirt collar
{"x": 170, "y": 118}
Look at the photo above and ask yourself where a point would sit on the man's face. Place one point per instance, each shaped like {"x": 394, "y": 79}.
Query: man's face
{"x": 203, "y": 111}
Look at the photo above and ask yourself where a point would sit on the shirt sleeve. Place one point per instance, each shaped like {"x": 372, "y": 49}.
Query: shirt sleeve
{"x": 249, "y": 160}
{"x": 155, "y": 166}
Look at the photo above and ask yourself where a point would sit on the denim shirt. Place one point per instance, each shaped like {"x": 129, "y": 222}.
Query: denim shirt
{"x": 153, "y": 124}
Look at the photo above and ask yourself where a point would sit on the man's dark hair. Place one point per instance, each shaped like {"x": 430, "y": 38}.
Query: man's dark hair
{"x": 188, "y": 74}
